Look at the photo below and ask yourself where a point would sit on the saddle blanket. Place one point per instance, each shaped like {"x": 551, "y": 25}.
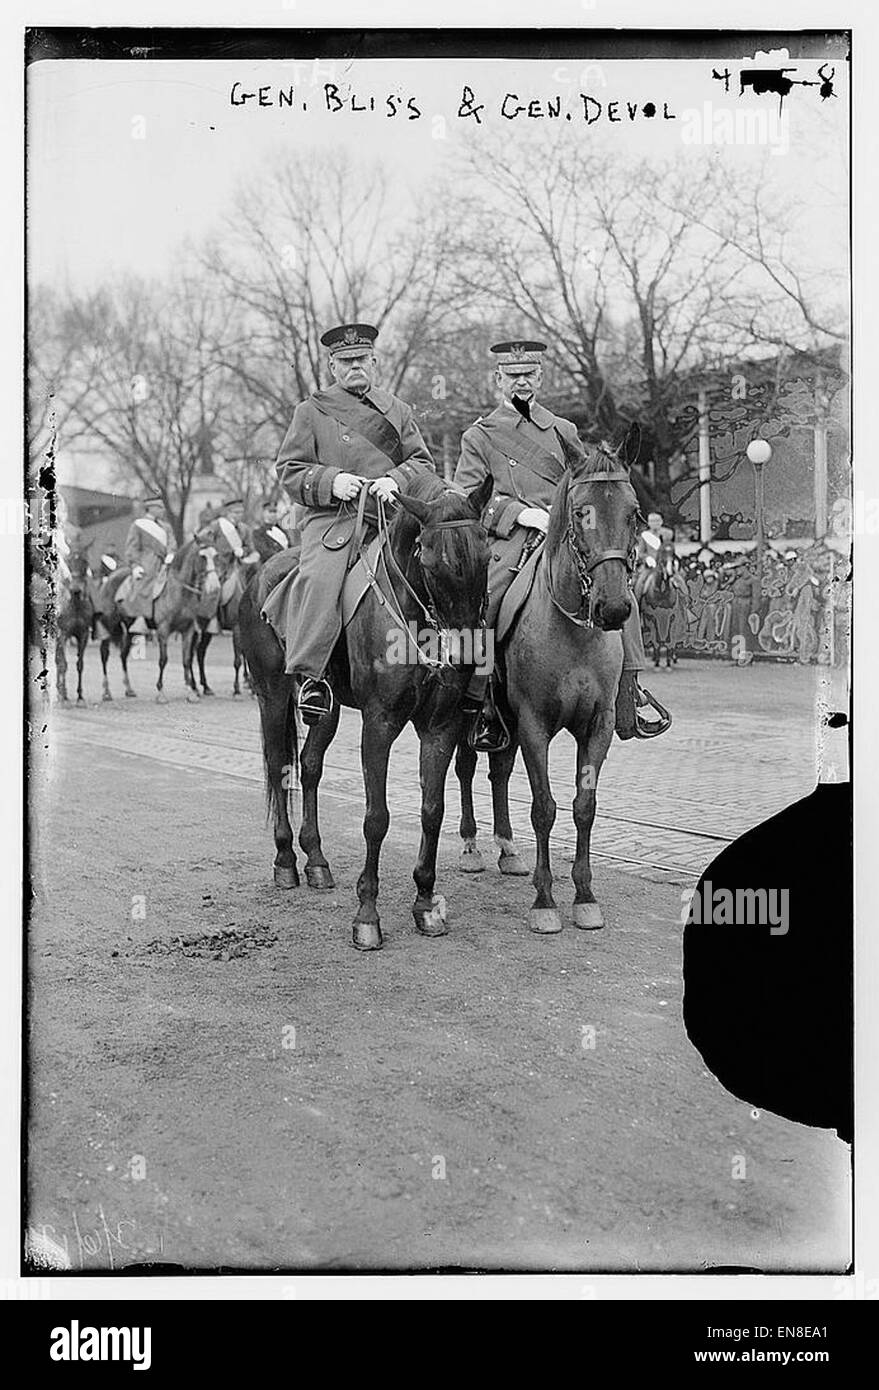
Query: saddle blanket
{"x": 514, "y": 599}
{"x": 278, "y": 575}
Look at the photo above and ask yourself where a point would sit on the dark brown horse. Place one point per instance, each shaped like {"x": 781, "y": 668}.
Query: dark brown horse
{"x": 174, "y": 611}
{"x": 75, "y": 613}
{"x": 433, "y": 577}
{"x": 562, "y": 660}
{"x": 112, "y": 627}
{"x": 227, "y": 620}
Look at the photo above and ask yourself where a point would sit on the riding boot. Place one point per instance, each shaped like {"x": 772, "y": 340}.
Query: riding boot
{"x": 487, "y": 730}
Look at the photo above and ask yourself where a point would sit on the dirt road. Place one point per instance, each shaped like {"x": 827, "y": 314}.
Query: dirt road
{"x": 219, "y": 1080}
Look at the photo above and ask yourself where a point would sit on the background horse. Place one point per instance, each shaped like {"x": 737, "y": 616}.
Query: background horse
{"x": 658, "y": 601}
{"x": 112, "y": 626}
{"x": 227, "y": 619}
{"x": 75, "y": 613}
{"x": 173, "y": 611}
{"x": 433, "y": 574}
{"x": 562, "y": 660}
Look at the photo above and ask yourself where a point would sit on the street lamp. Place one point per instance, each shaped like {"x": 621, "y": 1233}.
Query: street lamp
{"x": 759, "y": 452}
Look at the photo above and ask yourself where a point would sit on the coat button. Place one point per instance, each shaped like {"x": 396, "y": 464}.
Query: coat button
{"x": 497, "y": 555}
{"x": 347, "y": 438}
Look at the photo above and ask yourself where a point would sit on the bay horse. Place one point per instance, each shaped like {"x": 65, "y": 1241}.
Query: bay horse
{"x": 227, "y": 618}
{"x": 116, "y": 630}
{"x": 75, "y": 614}
{"x": 174, "y": 611}
{"x": 658, "y": 601}
{"x": 561, "y": 660}
{"x": 433, "y": 574}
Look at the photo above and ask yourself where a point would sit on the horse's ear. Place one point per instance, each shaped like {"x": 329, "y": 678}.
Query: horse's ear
{"x": 479, "y": 495}
{"x": 572, "y": 450}
{"x": 416, "y": 508}
{"x": 628, "y": 450}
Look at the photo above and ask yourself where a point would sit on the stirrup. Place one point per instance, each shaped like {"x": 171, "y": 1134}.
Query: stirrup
{"x": 649, "y": 728}
{"x": 488, "y": 732}
{"x": 315, "y": 699}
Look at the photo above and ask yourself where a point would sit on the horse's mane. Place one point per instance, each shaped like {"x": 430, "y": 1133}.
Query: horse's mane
{"x": 452, "y": 504}
{"x": 584, "y": 461}
{"x": 184, "y": 561}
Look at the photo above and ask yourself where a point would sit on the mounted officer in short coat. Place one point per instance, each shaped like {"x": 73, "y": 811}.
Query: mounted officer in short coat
{"x": 518, "y": 447}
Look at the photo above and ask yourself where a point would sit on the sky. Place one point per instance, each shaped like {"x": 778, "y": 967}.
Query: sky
{"x": 126, "y": 159}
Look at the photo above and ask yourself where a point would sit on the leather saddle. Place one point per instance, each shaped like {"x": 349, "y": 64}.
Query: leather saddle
{"x": 513, "y": 600}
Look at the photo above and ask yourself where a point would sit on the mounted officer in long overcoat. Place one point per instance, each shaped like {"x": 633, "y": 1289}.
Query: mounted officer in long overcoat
{"x": 349, "y": 435}
{"x": 149, "y": 550}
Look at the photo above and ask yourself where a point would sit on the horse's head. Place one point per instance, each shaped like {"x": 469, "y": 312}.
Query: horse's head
{"x": 451, "y": 548}
{"x": 595, "y": 512}
{"x": 78, "y": 568}
{"x": 189, "y": 564}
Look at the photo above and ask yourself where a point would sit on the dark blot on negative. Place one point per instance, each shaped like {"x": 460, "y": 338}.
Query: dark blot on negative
{"x": 769, "y": 1006}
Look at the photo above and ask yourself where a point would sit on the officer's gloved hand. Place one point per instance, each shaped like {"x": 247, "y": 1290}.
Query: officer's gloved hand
{"x": 169, "y": 559}
{"x": 346, "y": 486}
{"x": 137, "y": 571}
{"x": 385, "y": 488}
{"x": 534, "y": 517}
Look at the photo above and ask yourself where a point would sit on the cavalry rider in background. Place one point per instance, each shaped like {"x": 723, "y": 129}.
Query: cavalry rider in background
{"x": 270, "y": 537}
{"x": 517, "y": 445}
{"x": 231, "y": 537}
{"x": 649, "y": 541}
{"x": 149, "y": 550}
{"x": 345, "y": 437}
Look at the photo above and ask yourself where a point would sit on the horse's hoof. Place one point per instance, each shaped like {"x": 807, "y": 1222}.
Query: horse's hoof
{"x": 205, "y": 690}
{"x": 131, "y": 694}
{"x": 234, "y": 693}
{"x": 192, "y": 697}
{"x": 588, "y": 916}
{"x": 319, "y": 876}
{"x": 286, "y": 876}
{"x": 161, "y": 698}
{"x": 367, "y": 936}
{"x": 80, "y": 700}
{"x": 106, "y": 695}
{"x": 431, "y": 921}
{"x": 471, "y": 862}
{"x": 546, "y": 921}
{"x": 513, "y": 864}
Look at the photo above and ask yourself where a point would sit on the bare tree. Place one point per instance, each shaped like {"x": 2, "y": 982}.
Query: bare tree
{"x": 632, "y": 284}
{"x": 314, "y": 241}
{"x": 143, "y": 382}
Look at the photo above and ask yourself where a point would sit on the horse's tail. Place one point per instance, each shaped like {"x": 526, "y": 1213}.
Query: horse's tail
{"x": 280, "y": 745}
{"x": 276, "y": 693}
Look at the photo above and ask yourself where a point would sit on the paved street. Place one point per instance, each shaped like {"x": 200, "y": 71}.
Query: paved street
{"x": 219, "y": 1080}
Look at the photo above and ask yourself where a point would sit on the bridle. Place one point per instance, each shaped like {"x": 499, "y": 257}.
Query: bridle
{"x": 429, "y": 609}
{"x": 585, "y": 565}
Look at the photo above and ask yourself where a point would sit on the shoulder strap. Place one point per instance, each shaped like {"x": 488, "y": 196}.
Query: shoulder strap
{"x": 364, "y": 420}
{"x": 520, "y": 450}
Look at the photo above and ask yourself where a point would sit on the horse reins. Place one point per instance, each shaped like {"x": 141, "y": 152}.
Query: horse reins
{"x": 584, "y": 565}
{"x": 388, "y": 600}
